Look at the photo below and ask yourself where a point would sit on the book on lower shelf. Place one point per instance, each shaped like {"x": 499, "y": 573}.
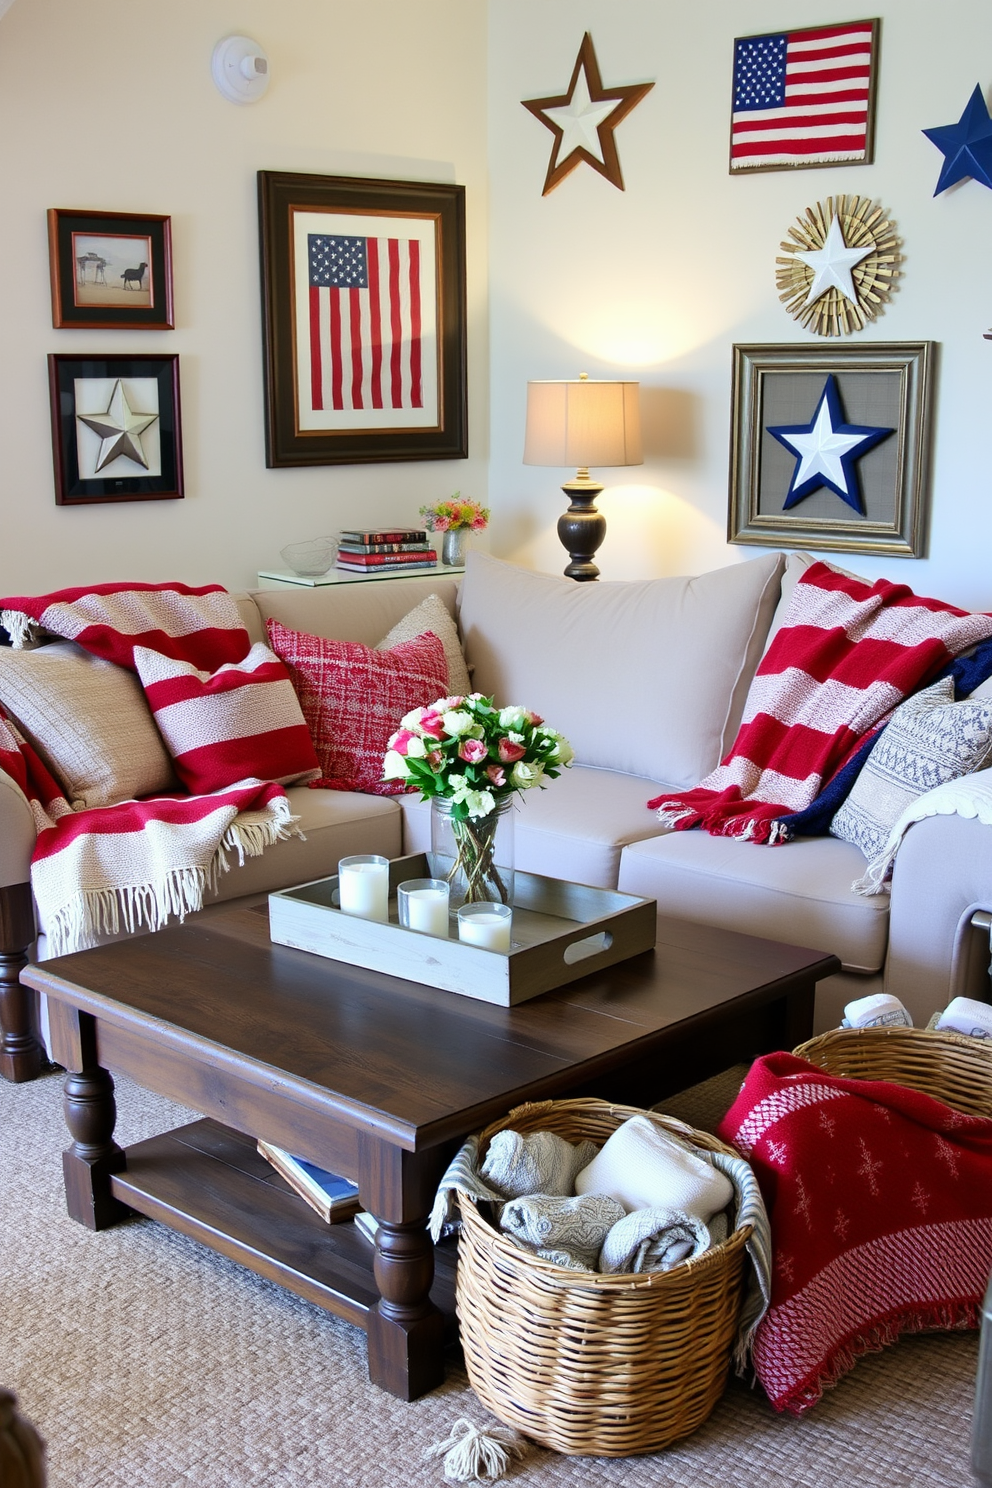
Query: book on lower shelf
{"x": 334, "y": 1198}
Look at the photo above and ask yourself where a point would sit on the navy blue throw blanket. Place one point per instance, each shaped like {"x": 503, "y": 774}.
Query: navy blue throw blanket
{"x": 968, "y": 673}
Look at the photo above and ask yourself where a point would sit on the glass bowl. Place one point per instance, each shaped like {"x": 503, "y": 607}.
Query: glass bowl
{"x": 310, "y": 559}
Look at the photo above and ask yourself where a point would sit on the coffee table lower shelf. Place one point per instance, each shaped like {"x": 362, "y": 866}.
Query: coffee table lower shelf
{"x": 210, "y": 1182}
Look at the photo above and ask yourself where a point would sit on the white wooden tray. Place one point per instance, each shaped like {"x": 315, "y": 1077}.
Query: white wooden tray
{"x": 561, "y": 931}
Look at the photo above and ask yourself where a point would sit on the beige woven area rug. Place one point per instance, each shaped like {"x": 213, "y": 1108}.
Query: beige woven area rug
{"x": 147, "y": 1361}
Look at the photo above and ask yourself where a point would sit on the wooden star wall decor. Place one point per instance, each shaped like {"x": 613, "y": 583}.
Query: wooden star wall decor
{"x": 842, "y": 265}
{"x": 584, "y": 119}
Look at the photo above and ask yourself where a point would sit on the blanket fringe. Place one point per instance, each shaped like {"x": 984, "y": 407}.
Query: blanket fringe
{"x": 952, "y": 1317}
{"x": 873, "y": 880}
{"x": 23, "y": 631}
{"x": 670, "y": 816}
{"x": 93, "y": 913}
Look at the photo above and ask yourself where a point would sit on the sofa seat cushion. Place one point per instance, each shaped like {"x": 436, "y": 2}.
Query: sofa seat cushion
{"x": 336, "y": 824}
{"x": 575, "y": 829}
{"x": 799, "y": 893}
{"x": 648, "y": 678}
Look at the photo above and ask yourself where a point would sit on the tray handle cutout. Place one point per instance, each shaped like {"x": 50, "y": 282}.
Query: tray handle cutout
{"x": 592, "y": 945}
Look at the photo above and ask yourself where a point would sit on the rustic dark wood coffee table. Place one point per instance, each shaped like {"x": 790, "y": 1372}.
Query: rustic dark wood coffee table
{"x": 373, "y": 1077}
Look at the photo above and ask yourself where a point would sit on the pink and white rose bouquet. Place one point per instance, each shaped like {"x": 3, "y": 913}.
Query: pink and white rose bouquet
{"x": 474, "y": 754}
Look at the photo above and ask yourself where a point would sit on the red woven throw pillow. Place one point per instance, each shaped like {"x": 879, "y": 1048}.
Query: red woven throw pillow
{"x": 880, "y": 1201}
{"x": 353, "y": 699}
{"x": 241, "y": 722}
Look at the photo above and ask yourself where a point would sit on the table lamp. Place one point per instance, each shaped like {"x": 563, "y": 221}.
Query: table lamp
{"x": 582, "y": 423}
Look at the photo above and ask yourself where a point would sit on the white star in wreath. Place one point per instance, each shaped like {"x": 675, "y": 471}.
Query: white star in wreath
{"x": 841, "y": 265}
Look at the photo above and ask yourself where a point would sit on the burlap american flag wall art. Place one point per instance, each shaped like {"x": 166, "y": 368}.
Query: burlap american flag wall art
{"x": 805, "y": 98}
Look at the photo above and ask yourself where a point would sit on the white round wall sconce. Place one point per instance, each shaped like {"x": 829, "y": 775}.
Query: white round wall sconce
{"x": 240, "y": 69}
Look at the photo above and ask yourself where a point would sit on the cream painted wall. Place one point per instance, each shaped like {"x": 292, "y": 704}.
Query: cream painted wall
{"x": 658, "y": 282}
{"x": 111, "y": 105}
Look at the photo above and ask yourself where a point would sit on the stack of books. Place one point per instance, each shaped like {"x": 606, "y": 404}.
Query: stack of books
{"x": 380, "y": 552}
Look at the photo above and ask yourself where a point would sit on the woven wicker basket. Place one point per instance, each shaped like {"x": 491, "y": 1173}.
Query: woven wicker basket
{"x": 607, "y": 1366}
{"x": 951, "y": 1067}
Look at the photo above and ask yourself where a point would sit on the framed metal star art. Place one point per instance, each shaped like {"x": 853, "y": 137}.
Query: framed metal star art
{"x": 584, "y": 119}
{"x": 840, "y": 266}
{"x": 116, "y": 432}
{"x": 830, "y": 447}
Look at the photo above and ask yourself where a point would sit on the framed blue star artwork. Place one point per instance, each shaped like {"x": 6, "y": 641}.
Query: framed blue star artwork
{"x": 830, "y": 447}
{"x": 116, "y": 431}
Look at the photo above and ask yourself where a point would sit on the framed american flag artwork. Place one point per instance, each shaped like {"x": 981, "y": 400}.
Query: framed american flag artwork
{"x": 805, "y": 98}
{"x": 363, "y": 301}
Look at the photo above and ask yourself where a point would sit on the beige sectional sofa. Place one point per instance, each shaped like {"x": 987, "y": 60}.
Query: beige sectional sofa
{"x": 648, "y": 682}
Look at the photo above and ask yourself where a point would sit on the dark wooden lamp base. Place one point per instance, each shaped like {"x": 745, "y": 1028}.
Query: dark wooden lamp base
{"x": 581, "y": 528}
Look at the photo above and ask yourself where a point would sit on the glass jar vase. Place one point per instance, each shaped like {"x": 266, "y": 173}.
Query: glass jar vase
{"x": 474, "y": 856}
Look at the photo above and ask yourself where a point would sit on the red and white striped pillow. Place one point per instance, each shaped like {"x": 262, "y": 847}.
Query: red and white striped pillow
{"x": 238, "y": 723}
{"x": 354, "y": 697}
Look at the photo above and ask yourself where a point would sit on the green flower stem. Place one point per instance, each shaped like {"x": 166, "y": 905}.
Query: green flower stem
{"x": 476, "y": 843}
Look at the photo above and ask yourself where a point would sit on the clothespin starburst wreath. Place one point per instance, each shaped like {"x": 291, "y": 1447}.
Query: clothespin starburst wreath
{"x": 840, "y": 267}
{"x": 583, "y": 120}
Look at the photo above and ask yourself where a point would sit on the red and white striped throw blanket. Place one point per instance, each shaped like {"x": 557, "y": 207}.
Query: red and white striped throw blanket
{"x": 138, "y": 862}
{"x": 880, "y": 1201}
{"x": 846, "y": 655}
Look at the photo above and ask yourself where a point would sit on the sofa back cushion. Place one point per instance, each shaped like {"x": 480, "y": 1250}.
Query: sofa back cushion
{"x": 648, "y": 677}
{"x": 351, "y": 611}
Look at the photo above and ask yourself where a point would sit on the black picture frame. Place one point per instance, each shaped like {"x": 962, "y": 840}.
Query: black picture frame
{"x": 320, "y": 404}
{"x": 83, "y": 246}
{"x": 879, "y": 384}
{"x": 83, "y": 385}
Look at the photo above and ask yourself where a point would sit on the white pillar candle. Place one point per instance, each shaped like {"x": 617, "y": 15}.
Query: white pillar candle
{"x": 363, "y": 885}
{"x": 427, "y": 911}
{"x": 488, "y": 927}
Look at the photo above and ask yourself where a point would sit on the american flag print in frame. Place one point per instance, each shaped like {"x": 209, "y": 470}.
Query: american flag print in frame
{"x": 363, "y": 291}
{"x": 803, "y": 99}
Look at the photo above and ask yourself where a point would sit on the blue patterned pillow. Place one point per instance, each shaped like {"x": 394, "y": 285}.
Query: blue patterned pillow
{"x": 930, "y": 738}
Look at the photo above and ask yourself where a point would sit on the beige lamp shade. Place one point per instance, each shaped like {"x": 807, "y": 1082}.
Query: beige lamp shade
{"x": 583, "y": 423}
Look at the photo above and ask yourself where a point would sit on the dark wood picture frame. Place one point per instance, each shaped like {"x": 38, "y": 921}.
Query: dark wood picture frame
{"x": 867, "y": 156}
{"x": 777, "y": 385}
{"x": 328, "y": 427}
{"x": 78, "y": 485}
{"x": 83, "y": 297}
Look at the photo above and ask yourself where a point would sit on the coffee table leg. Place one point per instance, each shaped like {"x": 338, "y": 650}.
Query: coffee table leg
{"x": 91, "y": 1115}
{"x": 405, "y": 1329}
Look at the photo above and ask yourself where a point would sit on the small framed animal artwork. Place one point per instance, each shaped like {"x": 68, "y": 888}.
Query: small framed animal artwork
{"x": 110, "y": 270}
{"x": 116, "y": 431}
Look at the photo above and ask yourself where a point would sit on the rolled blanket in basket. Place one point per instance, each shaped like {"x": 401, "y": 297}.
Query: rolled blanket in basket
{"x": 654, "y": 1240}
{"x": 567, "y": 1231}
{"x": 646, "y": 1168}
{"x": 519, "y": 1163}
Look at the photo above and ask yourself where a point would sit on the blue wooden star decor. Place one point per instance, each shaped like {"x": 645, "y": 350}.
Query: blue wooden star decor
{"x": 966, "y": 146}
{"x": 827, "y": 451}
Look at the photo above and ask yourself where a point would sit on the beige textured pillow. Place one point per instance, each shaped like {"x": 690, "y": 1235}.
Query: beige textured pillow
{"x": 89, "y": 721}
{"x": 432, "y": 614}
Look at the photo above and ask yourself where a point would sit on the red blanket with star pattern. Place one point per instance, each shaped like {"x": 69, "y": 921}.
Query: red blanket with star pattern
{"x": 880, "y": 1201}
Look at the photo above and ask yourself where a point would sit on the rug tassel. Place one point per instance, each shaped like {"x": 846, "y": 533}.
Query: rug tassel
{"x": 473, "y": 1455}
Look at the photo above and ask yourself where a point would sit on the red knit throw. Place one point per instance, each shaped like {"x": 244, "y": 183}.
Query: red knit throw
{"x": 846, "y": 655}
{"x": 880, "y": 1201}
